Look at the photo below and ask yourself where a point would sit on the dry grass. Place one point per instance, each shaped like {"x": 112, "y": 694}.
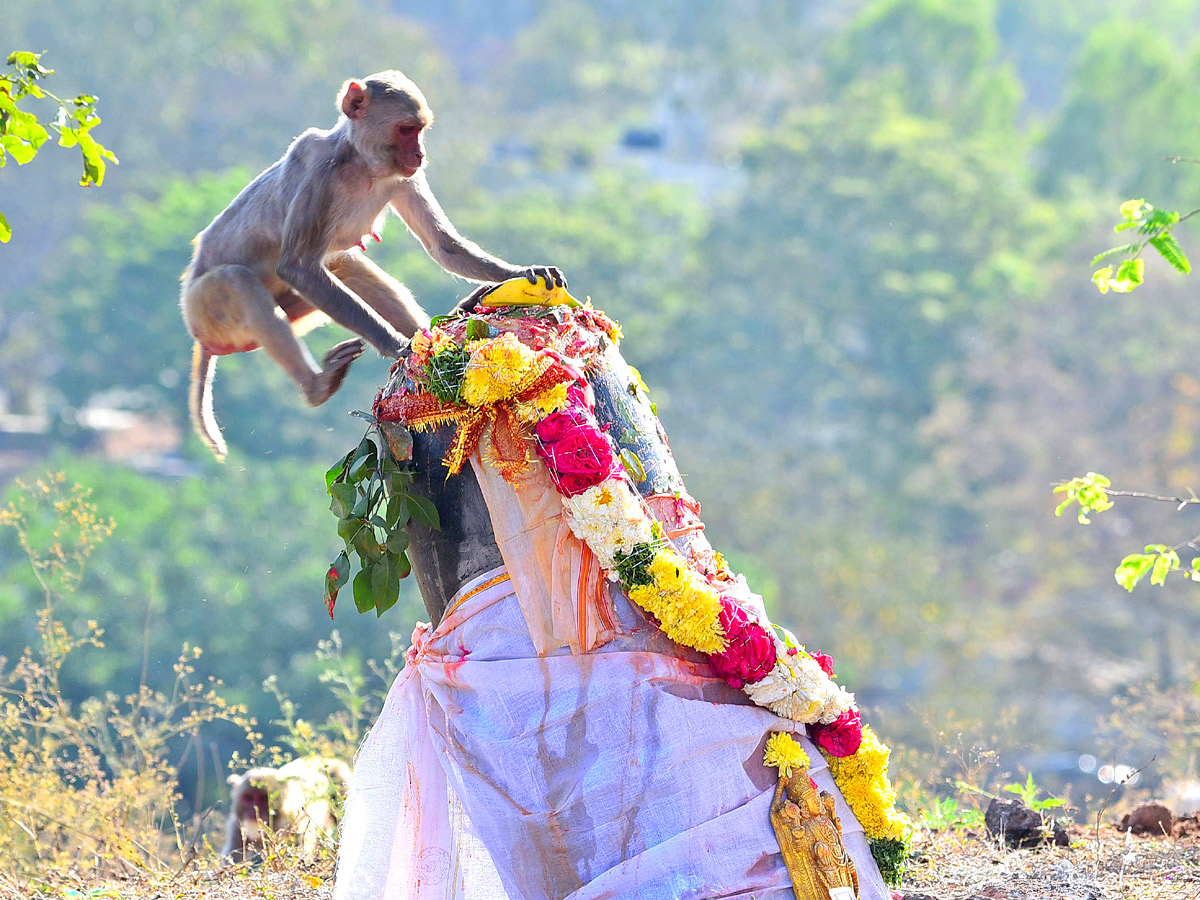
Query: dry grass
{"x": 283, "y": 878}
{"x": 949, "y": 865}
{"x": 1109, "y": 865}
{"x": 88, "y": 798}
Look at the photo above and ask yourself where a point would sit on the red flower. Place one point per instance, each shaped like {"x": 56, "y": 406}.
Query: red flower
{"x": 558, "y": 425}
{"x": 750, "y": 652}
{"x": 575, "y": 450}
{"x": 580, "y": 394}
{"x": 824, "y": 660}
{"x": 841, "y": 737}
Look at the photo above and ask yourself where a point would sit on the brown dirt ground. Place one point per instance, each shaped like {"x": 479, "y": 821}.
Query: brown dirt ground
{"x": 1109, "y": 865}
{"x": 948, "y": 865}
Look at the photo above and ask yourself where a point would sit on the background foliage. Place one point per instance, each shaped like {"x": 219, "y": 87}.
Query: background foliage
{"x": 850, "y": 270}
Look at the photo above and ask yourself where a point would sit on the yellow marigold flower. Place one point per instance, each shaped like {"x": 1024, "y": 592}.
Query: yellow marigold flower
{"x": 496, "y": 369}
{"x": 551, "y": 401}
{"x": 421, "y": 344}
{"x": 784, "y": 753}
{"x": 669, "y": 570}
{"x": 645, "y": 596}
{"x": 863, "y": 781}
{"x": 690, "y": 619}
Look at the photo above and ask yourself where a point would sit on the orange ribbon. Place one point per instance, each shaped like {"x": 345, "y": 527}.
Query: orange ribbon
{"x": 508, "y": 449}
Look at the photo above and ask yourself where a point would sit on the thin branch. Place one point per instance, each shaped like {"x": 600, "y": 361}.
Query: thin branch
{"x": 1180, "y": 502}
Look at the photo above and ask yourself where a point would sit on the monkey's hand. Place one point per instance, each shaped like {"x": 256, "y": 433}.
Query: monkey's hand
{"x": 553, "y": 275}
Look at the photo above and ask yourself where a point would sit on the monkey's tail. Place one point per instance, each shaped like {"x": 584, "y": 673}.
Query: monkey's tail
{"x": 200, "y": 403}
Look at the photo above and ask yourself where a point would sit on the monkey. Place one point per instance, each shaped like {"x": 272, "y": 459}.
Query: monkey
{"x": 287, "y": 254}
{"x": 303, "y": 799}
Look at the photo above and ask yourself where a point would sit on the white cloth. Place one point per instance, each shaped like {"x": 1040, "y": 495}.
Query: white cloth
{"x": 628, "y": 772}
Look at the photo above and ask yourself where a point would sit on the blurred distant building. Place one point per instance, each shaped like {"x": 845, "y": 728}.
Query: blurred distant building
{"x": 146, "y": 439}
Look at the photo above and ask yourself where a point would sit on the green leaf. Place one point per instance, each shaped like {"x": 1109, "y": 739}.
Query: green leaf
{"x": 423, "y": 511}
{"x": 1170, "y": 250}
{"x": 1114, "y": 251}
{"x": 22, "y": 124}
{"x": 364, "y": 598}
{"x": 335, "y": 578}
{"x": 5, "y": 230}
{"x": 633, "y": 465}
{"x": 25, "y": 59}
{"x": 367, "y": 545}
{"x": 1090, "y": 491}
{"x": 397, "y": 513}
{"x": 444, "y": 374}
{"x": 379, "y": 580}
{"x": 477, "y": 330}
{"x": 1165, "y": 562}
{"x": 343, "y": 496}
{"x": 348, "y": 528}
{"x": 1133, "y": 569}
{"x": 335, "y": 471}
{"x": 1135, "y": 210}
{"x": 388, "y": 599}
{"x": 788, "y": 638}
{"x": 385, "y": 584}
{"x": 397, "y": 542}
{"x": 362, "y": 506}
{"x": 363, "y": 462}
{"x": 21, "y": 151}
{"x": 1129, "y": 275}
{"x": 1158, "y": 220}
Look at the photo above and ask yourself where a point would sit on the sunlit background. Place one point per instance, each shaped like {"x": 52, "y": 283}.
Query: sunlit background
{"x": 848, "y": 243}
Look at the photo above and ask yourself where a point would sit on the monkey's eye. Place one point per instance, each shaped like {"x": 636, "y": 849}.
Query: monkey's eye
{"x": 408, "y": 130}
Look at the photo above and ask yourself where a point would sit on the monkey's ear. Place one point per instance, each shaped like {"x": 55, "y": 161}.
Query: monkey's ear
{"x": 354, "y": 99}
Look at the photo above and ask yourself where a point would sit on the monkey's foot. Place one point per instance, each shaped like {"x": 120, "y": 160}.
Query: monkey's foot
{"x": 333, "y": 370}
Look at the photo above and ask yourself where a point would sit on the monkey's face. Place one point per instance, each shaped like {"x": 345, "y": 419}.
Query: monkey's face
{"x": 254, "y": 812}
{"x": 408, "y": 146}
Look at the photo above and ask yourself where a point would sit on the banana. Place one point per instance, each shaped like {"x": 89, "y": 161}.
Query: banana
{"x": 519, "y": 292}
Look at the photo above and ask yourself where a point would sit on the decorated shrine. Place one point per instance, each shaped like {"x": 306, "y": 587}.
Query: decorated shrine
{"x": 599, "y": 706}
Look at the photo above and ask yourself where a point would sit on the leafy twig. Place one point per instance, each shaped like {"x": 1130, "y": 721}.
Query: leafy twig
{"x": 22, "y": 135}
{"x": 370, "y": 494}
{"x": 1155, "y": 227}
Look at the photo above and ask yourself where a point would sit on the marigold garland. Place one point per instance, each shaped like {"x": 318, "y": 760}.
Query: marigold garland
{"x": 537, "y": 394}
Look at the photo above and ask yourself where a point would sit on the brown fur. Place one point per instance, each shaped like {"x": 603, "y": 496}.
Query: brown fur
{"x": 285, "y": 253}
{"x": 301, "y": 800}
